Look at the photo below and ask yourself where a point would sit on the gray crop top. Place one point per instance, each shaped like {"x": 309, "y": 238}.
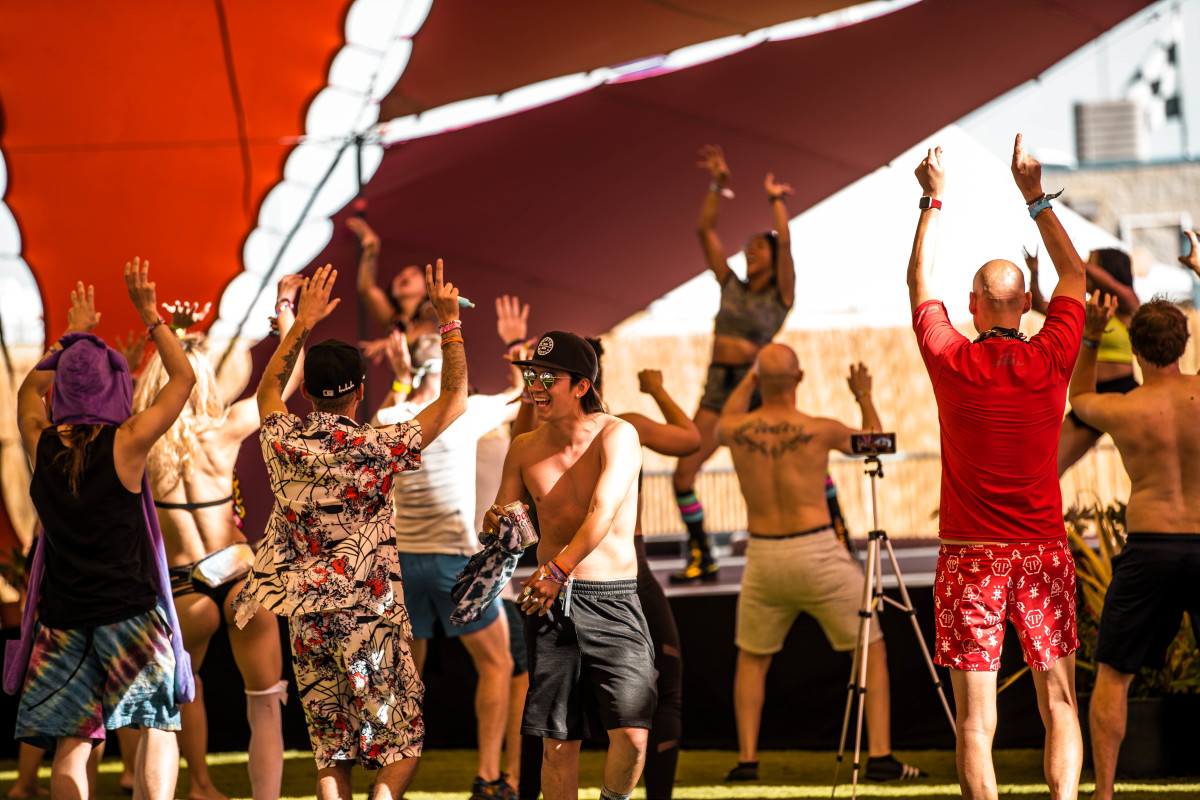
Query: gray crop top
{"x": 744, "y": 314}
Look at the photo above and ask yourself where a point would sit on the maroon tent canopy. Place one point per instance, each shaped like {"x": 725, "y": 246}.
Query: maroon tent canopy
{"x": 586, "y": 207}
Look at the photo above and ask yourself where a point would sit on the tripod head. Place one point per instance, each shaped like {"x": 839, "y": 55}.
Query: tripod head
{"x": 872, "y": 445}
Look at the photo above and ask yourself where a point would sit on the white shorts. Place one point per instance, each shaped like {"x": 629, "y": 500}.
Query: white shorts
{"x": 787, "y": 576}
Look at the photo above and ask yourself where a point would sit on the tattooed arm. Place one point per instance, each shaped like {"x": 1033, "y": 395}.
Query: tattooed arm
{"x": 315, "y": 306}
{"x": 452, "y": 402}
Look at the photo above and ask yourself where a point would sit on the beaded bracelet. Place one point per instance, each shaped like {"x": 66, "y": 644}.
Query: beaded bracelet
{"x": 452, "y": 325}
{"x": 284, "y": 303}
{"x": 150, "y": 328}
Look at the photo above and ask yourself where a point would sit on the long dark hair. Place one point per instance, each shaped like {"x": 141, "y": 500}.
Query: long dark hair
{"x": 1116, "y": 263}
{"x": 74, "y": 457}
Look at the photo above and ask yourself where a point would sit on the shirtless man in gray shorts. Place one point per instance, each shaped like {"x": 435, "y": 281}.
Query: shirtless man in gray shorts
{"x": 1156, "y": 428}
{"x": 794, "y": 561}
{"x": 590, "y": 653}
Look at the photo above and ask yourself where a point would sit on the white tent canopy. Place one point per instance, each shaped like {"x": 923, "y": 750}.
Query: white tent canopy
{"x": 852, "y": 249}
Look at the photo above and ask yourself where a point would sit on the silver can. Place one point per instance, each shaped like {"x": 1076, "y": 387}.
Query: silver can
{"x": 520, "y": 517}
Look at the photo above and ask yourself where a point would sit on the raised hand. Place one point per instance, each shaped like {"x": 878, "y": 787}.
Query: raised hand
{"x": 512, "y": 319}
{"x": 82, "y": 317}
{"x": 368, "y": 240}
{"x": 1026, "y": 171}
{"x": 184, "y": 315}
{"x": 713, "y": 160}
{"x": 374, "y": 350}
{"x": 931, "y": 173}
{"x": 141, "y": 290}
{"x": 315, "y": 304}
{"x": 288, "y": 289}
{"x": 443, "y": 295}
{"x": 1031, "y": 259}
{"x": 396, "y": 347}
{"x": 1192, "y": 259}
{"x": 775, "y": 189}
{"x": 650, "y": 381}
{"x": 132, "y": 350}
{"x": 859, "y": 380}
{"x": 1098, "y": 310}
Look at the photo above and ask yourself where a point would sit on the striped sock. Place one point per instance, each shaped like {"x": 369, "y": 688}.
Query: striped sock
{"x": 692, "y": 513}
{"x": 608, "y": 794}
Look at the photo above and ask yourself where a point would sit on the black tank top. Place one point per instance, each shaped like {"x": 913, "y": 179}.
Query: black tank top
{"x": 99, "y": 563}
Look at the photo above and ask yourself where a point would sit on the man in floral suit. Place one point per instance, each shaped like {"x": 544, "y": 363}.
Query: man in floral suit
{"x": 328, "y": 560}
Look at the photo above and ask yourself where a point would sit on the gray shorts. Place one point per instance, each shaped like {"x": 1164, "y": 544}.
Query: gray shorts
{"x": 788, "y": 576}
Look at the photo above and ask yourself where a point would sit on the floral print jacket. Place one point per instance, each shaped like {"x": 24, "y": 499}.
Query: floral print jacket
{"x": 330, "y": 543}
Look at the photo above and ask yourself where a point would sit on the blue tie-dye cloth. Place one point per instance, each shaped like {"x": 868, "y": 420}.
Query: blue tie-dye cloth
{"x": 486, "y": 573}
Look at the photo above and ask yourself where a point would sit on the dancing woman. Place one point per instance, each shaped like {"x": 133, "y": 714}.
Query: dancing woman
{"x": 191, "y": 476}
{"x": 105, "y": 650}
{"x": 751, "y": 313}
{"x": 1110, "y": 271}
{"x": 404, "y": 306}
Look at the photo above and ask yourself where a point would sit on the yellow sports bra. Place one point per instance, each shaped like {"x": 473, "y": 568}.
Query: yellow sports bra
{"x": 1114, "y": 344}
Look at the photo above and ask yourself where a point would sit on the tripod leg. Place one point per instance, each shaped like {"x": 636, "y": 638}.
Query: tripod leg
{"x": 938, "y": 683}
{"x": 858, "y": 670}
{"x": 864, "y": 639}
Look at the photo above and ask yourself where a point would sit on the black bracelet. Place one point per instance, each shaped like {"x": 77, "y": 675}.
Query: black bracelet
{"x": 771, "y": 198}
{"x": 513, "y": 343}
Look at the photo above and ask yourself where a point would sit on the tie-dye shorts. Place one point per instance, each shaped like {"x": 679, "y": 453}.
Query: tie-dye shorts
{"x": 81, "y": 681}
{"x": 979, "y": 587}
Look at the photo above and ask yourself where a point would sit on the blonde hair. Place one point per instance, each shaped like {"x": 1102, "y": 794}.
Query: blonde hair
{"x": 172, "y": 457}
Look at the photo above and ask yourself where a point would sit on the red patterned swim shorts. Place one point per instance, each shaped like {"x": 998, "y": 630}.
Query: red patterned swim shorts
{"x": 978, "y": 587}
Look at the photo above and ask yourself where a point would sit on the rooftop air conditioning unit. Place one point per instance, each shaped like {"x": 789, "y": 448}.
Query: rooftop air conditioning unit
{"x": 1110, "y": 131}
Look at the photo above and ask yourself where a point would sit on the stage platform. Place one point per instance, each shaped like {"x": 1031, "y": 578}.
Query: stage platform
{"x": 806, "y": 687}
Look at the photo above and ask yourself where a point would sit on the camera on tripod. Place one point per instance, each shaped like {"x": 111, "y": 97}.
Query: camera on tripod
{"x": 872, "y": 444}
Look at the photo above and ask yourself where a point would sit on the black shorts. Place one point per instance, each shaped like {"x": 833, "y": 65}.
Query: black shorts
{"x": 1115, "y": 386}
{"x": 720, "y": 382}
{"x": 516, "y": 637}
{"x": 594, "y": 667}
{"x": 1154, "y": 581}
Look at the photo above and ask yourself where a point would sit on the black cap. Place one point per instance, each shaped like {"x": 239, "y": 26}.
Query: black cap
{"x": 332, "y": 369}
{"x": 564, "y": 351}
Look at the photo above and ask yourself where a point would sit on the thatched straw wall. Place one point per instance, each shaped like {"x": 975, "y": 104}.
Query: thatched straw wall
{"x": 909, "y": 491}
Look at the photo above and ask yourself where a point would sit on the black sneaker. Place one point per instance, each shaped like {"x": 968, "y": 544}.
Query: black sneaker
{"x": 744, "y": 771}
{"x": 492, "y": 790}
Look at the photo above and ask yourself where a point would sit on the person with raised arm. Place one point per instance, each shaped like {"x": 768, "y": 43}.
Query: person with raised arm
{"x": 1156, "y": 428}
{"x": 106, "y": 650}
{"x": 751, "y": 313}
{"x": 191, "y": 476}
{"x": 328, "y": 559}
{"x": 795, "y": 562}
{"x": 1004, "y": 552}
{"x": 404, "y": 306}
{"x": 435, "y": 537}
{"x": 591, "y": 659}
{"x": 1108, "y": 270}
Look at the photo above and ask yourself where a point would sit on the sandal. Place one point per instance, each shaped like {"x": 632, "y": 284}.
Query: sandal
{"x": 887, "y": 768}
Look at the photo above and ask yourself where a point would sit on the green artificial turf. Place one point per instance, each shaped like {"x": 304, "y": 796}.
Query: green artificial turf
{"x": 447, "y": 775}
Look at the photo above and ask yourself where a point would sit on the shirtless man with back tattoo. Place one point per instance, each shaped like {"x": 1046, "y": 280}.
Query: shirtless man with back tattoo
{"x": 794, "y": 561}
{"x": 590, "y": 653}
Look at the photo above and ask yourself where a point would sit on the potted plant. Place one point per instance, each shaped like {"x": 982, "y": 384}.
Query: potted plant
{"x": 1161, "y": 737}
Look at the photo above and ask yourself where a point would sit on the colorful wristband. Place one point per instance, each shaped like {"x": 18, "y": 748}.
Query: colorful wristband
{"x": 452, "y": 325}
{"x": 150, "y": 328}
{"x": 401, "y": 388}
{"x": 284, "y": 303}
{"x": 1093, "y": 344}
{"x": 451, "y": 340}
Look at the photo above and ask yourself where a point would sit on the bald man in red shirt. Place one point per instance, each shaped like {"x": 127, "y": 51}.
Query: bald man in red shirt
{"x": 1004, "y": 558}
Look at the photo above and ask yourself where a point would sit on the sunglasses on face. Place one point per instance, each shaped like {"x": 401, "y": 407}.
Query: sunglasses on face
{"x": 547, "y": 378}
